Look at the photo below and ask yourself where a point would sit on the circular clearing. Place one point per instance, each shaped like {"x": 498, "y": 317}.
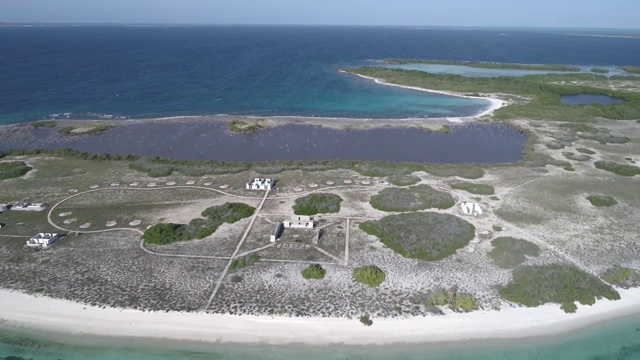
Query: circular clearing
{"x": 111, "y": 223}
{"x": 171, "y": 183}
{"x": 85, "y": 226}
{"x": 135, "y": 222}
{"x": 151, "y": 184}
{"x": 134, "y": 184}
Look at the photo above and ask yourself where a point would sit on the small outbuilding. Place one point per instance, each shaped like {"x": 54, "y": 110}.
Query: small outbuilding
{"x": 300, "y": 222}
{"x": 470, "y": 209}
{"x": 29, "y": 207}
{"x": 3, "y": 208}
{"x": 277, "y": 231}
{"x": 42, "y": 240}
{"x": 260, "y": 184}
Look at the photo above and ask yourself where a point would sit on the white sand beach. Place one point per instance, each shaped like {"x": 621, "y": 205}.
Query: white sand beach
{"x": 66, "y": 317}
{"x": 495, "y": 102}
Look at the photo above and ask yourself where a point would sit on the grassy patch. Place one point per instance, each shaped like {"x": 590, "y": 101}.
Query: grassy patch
{"x": 317, "y": 204}
{"x": 533, "y": 286}
{"x": 478, "y": 189}
{"x": 585, "y": 151}
{"x": 622, "y": 276}
{"x": 404, "y": 180}
{"x": 510, "y": 252}
{"x": 92, "y": 129}
{"x": 599, "y": 70}
{"x": 458, "y": 302}
{"x": 427, "y": 236}
{"x": 13, "y": 169}
{"x": 419, "y": 197}
{"x": 314, "y": 272}
{"x": 365, "y": 319}
{"x": 630, "y": 69}
{"x": 200, "y": 228}
{"x": 618, "y": 169}
{"x": 39, "y": 124}
{"x": 369, "y": 275}
{"x": 600, "y": 200}
{"x": 486, "y": 65}
{"x": 243, "y": 127}
{"x": 576, "y": 157}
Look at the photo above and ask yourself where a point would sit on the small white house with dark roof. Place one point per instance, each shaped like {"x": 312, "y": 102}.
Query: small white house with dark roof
{"x": 260, "y": 184}
{"x": 300, "y": 222}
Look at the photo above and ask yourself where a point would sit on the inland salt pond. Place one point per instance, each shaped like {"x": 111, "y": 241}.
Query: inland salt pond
{"x": 584, "y": 99}
{"x": 469, "y": 143}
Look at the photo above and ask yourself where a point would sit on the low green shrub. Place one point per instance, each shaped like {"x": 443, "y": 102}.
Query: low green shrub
{"x": 419, "y": 197}
{"x": 459, "y": 302}
{"x": 425, "y": 235}
{"x": 314, "y": 272}
{"x": 320, "y": 203}
{"x": 600, "y": 200}
{"x": 618, "y": 169}
{"x": 403, "y": 180}
{"x": 622, "y": 276}
{"x": 564, "y": 284}
{"x": 366, "y": 320}
{"x": 369, "y": 275}
{"x": 478, "y": 189}
{"x": 585, "y": 151}
{"x": 13, "y": 169}
{"x": 39, "y": 124}
{"x": 510, "y": 252}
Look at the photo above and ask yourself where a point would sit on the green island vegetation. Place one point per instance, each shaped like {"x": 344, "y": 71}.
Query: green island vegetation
{"x": 618, "y": 169}
{"x": 622, "y": 276}
{"x": 92, "y": 129}
{"x": 585, "y": 151}
{"x": 555, "y": 145}
{"x": 478, "y": 189}
{"x": 13, "y": 169}
{"x": 44, "y": 123}
{"x": 403, "y": 180}
{"x": 576, "y": 157}
{"x": 564, "y": 284}
{"x": 314, "y": 272}
{"x": 244, "y": 127}
{"x": 245, "y": 261}
{"x": 321, "y": 203}
{"x": 444, "y": 129}
{"x": 599, "y": 71}
{"x": 163, "y": 233}
{"x": 485, "y": 65}
{"x": 459, "y": 302}
{"x": 365, "y": 319}
{"x": 600, "y": 200}
{"x": 425, "y": 235}
{"x": 369, "y": 275}
{"x": 630, "y": 69}
{"x": 543, "y": 92}
{"x": 419, "y": 197}
{"x": 510, "y": 252}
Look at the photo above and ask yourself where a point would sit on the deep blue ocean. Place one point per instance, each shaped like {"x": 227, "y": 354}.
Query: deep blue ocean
{"x": 148, "y": 72}
{"x": 134, "y": 71}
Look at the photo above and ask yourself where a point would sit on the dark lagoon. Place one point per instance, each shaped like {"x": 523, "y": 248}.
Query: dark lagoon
{"x": 471, "y": 143}
{"x": 590, "y": 99}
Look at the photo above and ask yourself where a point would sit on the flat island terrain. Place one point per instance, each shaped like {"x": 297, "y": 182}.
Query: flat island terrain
{"x": 344, "y": 251}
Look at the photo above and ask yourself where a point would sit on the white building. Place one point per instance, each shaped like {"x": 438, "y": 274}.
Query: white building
{"x": 42, "y": 240}
{"x": 468, "y": 208}
{"x": 300, "y": 222}
{"x": 276, "y": 233}
{"x": 29, "y": 207}
{"x": 3, "y": 208}
{"x": 260, "y": 184}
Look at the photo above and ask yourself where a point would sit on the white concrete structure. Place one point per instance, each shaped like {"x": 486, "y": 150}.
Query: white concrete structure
{"x": 300, "y": 222}
{"x": 42, "y": 240}
{"x": 468, "y": 208}
{"x": 260, "y": 184}
{"x": 276, "y": 233}
{"x": 3, "y": 208}
{"x": 29, "y": 207}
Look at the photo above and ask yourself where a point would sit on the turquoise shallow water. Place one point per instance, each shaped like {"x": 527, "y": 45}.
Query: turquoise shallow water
{"x": 615, "y": 340}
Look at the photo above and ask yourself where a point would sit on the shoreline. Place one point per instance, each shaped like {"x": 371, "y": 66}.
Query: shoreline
{"x": 63, "y": 317}
{"x": 495, "y": 102}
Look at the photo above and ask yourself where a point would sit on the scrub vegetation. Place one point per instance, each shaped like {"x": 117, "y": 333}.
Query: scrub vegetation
{"x": 244, "y": 127}
{"x": 600, "y": 200}
{"x": 486, "y": 65}
{"x": 317, "y": 204}
{"x": 622, "y": 276}
{"x": 13, "y": 169}
{"x": 510, "y": 252}
{"x": 426, "y": 236}
{"x": 314, "y": 272}
{"x": 39, "y": 124}
{"x": 478, "y": 189}
{"x": 618, "y": 169}
{"x": 564, "y": 284}
{"x": 200, "y": 228}
{"x": 403, "y": 180}
{"x": 458, "y": 302}
{"x": 419, "y": 197}
{"x": 630, "y": 69}
{"x": 369, "y": 275}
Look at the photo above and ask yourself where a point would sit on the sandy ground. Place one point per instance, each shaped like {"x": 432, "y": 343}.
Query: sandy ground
{"x": 60, "y": 316}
